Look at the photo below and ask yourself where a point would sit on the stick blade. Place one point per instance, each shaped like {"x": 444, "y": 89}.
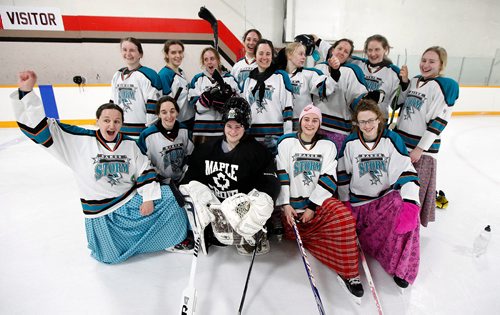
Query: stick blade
{"x": 188, "y": 301}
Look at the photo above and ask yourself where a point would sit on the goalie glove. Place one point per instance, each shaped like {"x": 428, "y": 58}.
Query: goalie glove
{"x": 248, "y": 214}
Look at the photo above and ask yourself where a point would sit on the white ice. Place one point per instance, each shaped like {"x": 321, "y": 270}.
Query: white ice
{"x": 45, "y": 266}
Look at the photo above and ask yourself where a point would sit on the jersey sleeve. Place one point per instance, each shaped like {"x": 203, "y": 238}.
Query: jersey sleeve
{"x": 147, "y": 184}
{"x": 30, "y": 116}
{"x": 286, "y": 101}
{"x": 401, "y": 171}
{"x": 438, "y": 115}
{"x": 344, "y": 172}
{"x": 355, "y": 88}
{"x": 151, "y": 95}
{"x": 320, "y": 84}
{"x": 283, "y": 171}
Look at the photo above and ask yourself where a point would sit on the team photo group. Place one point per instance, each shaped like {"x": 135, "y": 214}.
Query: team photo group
{"x": 339, "y": 156}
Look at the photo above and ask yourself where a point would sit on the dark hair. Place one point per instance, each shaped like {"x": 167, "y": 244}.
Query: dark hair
{"x": 265, "y": 42}
{"x": 259, "y": 35}
{"x": 166, "y": 47}
{"x": 216, "y": 53}
{"x": 382, "y": 40}
{"x": 164, "y": 99}
{"x": 372, "y": 106}
{"x": 134, "y": 41}
{"x": 104, "y": 106}
{"x": 330, "y": 50}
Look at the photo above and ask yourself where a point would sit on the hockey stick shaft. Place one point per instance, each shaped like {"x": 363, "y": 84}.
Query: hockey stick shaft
{"x": 370, "y": 280}
{"x": 312, "y": 282}
{"x": 248, "y": 278}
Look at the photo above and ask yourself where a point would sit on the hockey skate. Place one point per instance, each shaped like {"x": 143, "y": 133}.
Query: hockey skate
{"x": 353, "y": 286}
{"x": 275, "y": 226}
{"x": 402, "y": 284}
{"x": 262, "y": 248}
{"x": 184, "y": 247}
{"x": 441, "y": 201}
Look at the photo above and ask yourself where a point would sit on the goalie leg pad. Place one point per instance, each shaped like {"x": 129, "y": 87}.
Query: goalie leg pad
{"x": 222, "y": 229}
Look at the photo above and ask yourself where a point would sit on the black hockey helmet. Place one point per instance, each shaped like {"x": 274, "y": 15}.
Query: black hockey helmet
{"x": 306, "y": 40}
{"x": 238, "y": 109}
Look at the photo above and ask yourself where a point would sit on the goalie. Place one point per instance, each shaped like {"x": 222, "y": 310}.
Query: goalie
{"x": 231, "y": 183}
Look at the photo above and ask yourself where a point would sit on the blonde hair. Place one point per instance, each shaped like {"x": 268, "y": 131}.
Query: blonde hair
{"x": 442, "y": 54}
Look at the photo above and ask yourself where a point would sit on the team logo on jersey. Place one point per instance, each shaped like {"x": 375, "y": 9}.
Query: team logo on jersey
{"x": 413, "y": 103}
{"x": 222, "y": 174}
{"x": 296, "y": 85}
{"x": 308, "y": 166}
{"x": 261, "y": 104}
{"x": 373, "y": 83}
{"x": 126, "y": 96}
{"x": 373, "y": 164}
{"x": 111, "y": 167}
{"x": 172, "y": 156}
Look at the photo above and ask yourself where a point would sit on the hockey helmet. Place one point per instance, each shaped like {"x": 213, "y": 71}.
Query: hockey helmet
{"x": 238, "y": 109}
{"x": 307, "y": 41}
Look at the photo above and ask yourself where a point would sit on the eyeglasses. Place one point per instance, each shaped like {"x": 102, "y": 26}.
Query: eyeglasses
{"x": 367, "y": 122}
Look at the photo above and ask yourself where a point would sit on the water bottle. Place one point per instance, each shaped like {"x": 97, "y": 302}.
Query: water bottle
{"x": 481, "y": 242}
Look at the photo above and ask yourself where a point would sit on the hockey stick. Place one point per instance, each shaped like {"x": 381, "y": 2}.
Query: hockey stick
{"x": 210, "y": 18}
{"x": 394, "y": 103}
{"x": 188, "y": 299}
{"x": 321, "y": 309}
{"x": 257, "y": 243}
{"x": 370, "y": 280}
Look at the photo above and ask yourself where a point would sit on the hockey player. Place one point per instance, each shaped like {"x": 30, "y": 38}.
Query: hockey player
{"x": 167, "y": 143}
{"x": 428, "y": 103}
{"x": 126, "y": 211}
{"x": 205, "y": 96}
{"x": 234, "y": 164}
{"x": 305, "y": 81}
{"x": 307, "y": 171}
{"x": 380, "y": 73}
{"x": 174, "y": 81}
{"x": 269, "y": 93}
{"x": 135, "y": 89}
{"x": 378, "y": 182}
{"x": 243, "y": 66}
{"x": 349, "y": 89}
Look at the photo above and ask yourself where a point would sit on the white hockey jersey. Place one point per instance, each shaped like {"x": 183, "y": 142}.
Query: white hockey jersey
{"x": 136, "y": 92}
{"x": 384, "y": 77}
{"x": 306, "y": 175}
{"x": 176, "y": 85}
{"x": 168, "y": 150}
{"x": 273, "y": 115}
{"x": 242, "y": 68}
{"x": 108, "y": 175}
{"x": 337, "y": 108}
{"x": 307, "y": 82}
{"x": 207, "y": 121}
{"x": 368, "y": 171}
{"x": 426, "y": 111}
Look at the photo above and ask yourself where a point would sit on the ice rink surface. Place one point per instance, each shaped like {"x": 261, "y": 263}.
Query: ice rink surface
{"x": 45, "y": 266}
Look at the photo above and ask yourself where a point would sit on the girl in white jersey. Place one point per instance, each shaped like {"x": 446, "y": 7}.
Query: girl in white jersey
{"x": 269, "y": 93}
{"x": 307, "y": 167}
{"x": 348, "y": 90}
{"x": 167, "y": 143}
{"x": 378, "y": 182}
{"x": 380, "y": 73}
{"x": 135, "y": 89}
{"x": 126, "y": 211}
{"x": 207, "y": 103}
{"x": 243, "y": 66}
{"x": 306, "y": 82}
{"x": 428, "y": 103}
{"x": 174, "y": 81}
